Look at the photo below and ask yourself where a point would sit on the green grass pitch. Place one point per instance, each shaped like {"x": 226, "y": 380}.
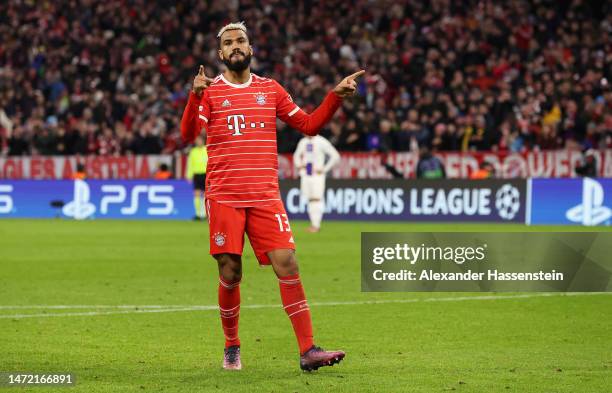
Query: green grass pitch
{"x": 138, "y": 315}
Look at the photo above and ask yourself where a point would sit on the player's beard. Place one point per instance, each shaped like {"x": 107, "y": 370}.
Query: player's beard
{"x": 240, "y": 65}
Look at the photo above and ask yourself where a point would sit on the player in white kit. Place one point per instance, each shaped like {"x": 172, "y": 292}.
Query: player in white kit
{"x": 314, "y": 157}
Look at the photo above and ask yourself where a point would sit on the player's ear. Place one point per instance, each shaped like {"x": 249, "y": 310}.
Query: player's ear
{"x": 220, "y": 54}
{"x": 250, "y": 50}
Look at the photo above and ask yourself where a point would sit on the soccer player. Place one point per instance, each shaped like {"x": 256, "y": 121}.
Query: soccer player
{"x": 238, "y": 109}
{"x": 309, "y": 158}
{"x": 196, "y": 174}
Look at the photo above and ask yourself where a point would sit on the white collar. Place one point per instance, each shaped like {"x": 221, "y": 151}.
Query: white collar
{"x": 245, "y": 84}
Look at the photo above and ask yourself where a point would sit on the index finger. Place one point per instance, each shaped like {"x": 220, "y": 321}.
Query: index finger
{"x": 201, "y": 70}
{"x": 356, "y": 75}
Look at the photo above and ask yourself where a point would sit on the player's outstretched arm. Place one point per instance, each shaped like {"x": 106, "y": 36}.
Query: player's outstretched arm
{"x": 190, "y": 122}
{"x": 310, "y": 124}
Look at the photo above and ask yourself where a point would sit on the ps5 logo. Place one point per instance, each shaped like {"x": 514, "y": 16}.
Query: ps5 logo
{"x": 116, "y": 194}
{"x": 80, "y": 208}
{"x": 592, "y": 210}
{"x": 6, "y": 201}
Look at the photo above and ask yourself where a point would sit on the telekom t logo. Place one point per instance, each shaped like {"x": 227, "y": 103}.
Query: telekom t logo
{"x": 236, "y": 122}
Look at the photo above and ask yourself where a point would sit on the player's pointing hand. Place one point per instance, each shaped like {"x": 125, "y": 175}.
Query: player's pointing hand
{"x": 201, "y": 82}
{"x": 348, "y": 86}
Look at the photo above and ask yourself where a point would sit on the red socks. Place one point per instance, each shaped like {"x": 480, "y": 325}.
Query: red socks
{"x": 294, "y": 301}
{"x": 229, "y": 305}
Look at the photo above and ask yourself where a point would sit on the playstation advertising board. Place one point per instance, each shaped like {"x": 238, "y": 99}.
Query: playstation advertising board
{"x": 571, "y": 201}
{"x": 536, "y": 201}
{"x": 119, "y": 199}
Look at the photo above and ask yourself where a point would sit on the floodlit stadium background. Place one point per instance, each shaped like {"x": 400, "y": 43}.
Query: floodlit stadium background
{"x": 129, "y": 305}
{"x": 518, "y": 88}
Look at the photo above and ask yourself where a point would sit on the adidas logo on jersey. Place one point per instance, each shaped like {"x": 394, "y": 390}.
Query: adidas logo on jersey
{"x": 226, "y": 103}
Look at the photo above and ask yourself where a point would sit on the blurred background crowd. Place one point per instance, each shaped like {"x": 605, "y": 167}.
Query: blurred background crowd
{"x": 112, "y": 77}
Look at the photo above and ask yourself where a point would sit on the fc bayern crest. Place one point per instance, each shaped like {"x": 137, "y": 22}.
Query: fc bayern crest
{"x": 219, "y": 239}
{"x": 260, "y": 98}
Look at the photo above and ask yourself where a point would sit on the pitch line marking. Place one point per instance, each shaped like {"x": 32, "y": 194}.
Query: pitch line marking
{"x": 141, "y": 309}
{"x": 90, "y": 306}
{"x": 414, "y": 300}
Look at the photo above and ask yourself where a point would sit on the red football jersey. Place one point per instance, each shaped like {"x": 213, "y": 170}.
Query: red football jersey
{"x": 241, "y": 139}
{"x": 240, "y": 121}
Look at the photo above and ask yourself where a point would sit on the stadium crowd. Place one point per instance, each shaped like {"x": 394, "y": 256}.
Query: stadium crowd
{"x": 112, "y": 77}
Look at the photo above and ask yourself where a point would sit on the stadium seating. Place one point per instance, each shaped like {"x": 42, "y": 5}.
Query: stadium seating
{"x": 111, "y": 77}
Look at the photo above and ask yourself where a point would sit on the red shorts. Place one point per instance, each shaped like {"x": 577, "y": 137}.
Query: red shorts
{"x": 266, "y": 226}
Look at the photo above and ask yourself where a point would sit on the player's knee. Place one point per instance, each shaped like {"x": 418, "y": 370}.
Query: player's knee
{"x": 231, "y": 273}
{"x": 230, "y": 267}
{"x": 285, "y": 263}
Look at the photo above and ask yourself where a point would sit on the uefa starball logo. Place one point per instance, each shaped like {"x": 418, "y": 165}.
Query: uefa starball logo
{"x": 507, "y": 201}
